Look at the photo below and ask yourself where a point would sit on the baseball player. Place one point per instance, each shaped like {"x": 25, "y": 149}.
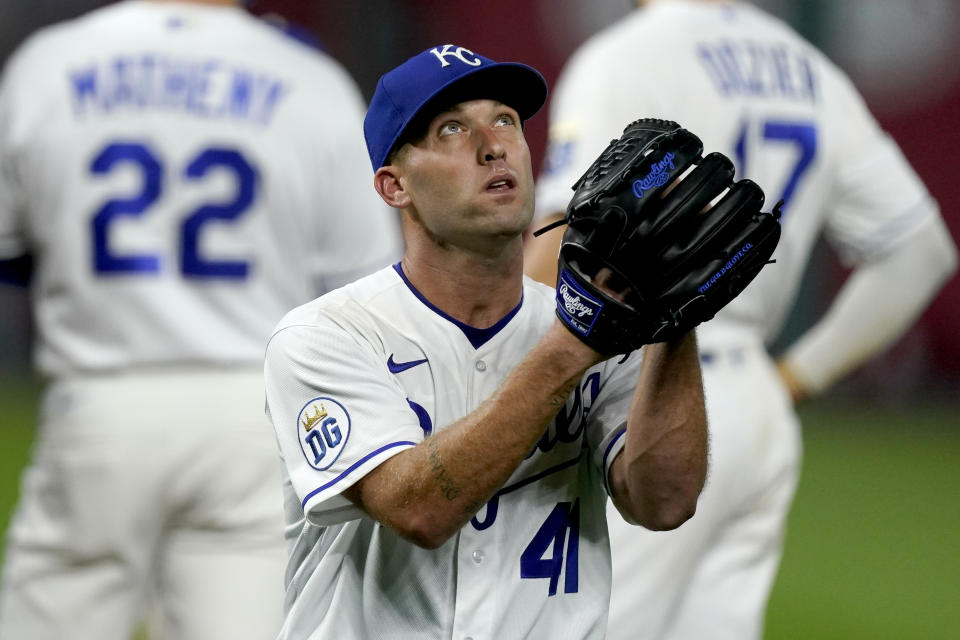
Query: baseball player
{"x": 182, "y": 174}
{"x": 449, "y": 445}
{"x": 793, "y": 122}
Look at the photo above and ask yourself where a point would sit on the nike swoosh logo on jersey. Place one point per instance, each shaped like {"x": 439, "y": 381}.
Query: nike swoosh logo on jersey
{"x": 397, "y": 367}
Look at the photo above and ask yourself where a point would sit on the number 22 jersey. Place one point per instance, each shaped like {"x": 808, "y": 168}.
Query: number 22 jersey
{"x": 184, "y": 176}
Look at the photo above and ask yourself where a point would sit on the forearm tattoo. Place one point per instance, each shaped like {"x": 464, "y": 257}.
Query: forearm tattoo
{"x": 447, "y": 486}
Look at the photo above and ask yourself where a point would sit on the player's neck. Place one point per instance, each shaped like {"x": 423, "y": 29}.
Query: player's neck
{"x": 476, "y": 290}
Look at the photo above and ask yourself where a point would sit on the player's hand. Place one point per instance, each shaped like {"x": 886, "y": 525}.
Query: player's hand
{"x": 606, "y": 281}
{"x": 794, "y": 387}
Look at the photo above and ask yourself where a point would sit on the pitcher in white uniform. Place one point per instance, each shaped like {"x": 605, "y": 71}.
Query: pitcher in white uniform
{"x": 449, "y": 444}
{"x": 793, "y": 122}
{"x": 182, "y": 174}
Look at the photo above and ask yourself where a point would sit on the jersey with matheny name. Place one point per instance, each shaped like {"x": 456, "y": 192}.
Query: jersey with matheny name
{"x": 186, "y": 175}
{"x": 788, "y": 118}
{"x": 372, "y": 369}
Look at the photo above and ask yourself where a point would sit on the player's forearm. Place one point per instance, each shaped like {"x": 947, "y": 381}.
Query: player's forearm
{"x": 657, "y": 478}
{"x": 429, "y": 492}
{"x": 876, "y": 305}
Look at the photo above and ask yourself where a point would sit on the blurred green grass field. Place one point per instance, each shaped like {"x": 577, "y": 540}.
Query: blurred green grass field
{"x": 873, "y": 543}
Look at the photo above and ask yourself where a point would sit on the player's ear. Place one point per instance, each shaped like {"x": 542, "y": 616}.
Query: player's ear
{"x": 388, "y": 184}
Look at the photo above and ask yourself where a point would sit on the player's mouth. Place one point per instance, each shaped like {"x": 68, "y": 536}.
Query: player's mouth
{"x": 500, "y": 184}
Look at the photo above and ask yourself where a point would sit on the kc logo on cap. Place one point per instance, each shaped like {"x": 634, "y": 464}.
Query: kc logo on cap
{"x": 420, "y": 87}
{"x": 457, "y": 53}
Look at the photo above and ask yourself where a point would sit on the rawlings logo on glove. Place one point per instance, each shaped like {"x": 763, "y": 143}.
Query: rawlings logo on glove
{"x": 656, "y": 178}
{"x": 577, "y": 308}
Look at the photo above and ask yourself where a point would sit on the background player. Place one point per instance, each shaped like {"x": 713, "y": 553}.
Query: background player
{"x": 182, "y": 174}
{"x": 430, "y": 491}
{"x": 750, "y": 86}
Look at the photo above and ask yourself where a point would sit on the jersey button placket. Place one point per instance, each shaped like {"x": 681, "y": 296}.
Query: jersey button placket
{"x": 474, "y": 609}
{"x": 481, "y": 366}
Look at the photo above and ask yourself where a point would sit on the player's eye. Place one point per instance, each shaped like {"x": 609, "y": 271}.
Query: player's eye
{"x": 450, "y": 128}
{"x": 505, "y": 120}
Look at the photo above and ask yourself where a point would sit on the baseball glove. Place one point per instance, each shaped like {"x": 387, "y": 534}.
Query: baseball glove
{"x": 658, "y": 239}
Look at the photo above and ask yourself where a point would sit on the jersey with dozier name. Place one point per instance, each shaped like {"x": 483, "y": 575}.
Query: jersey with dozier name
{"x": 788, "y": 118}
{"x": 371, "y": 369}
{"x": 249, "y": 196}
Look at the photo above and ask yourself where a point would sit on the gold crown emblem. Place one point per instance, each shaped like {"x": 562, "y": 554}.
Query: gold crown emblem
{"x": 310, "y": 421}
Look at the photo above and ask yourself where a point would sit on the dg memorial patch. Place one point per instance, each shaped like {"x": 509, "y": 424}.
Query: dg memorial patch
{"x": 323, "y": 427}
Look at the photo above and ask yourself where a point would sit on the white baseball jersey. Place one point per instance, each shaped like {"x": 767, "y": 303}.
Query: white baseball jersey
{"x": 367, "y": 371}
{"x": 250, "y": 195}
{"x": 751, "y": 88}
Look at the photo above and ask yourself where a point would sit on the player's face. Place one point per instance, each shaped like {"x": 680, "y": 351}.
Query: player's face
{"x": 469, "y": 178}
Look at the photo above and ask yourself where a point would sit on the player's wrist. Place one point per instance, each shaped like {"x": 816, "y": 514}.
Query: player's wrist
{"x": 563, "y": 344}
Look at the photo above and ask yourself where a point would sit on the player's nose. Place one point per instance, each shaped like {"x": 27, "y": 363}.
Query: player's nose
{"x": 490, "y": 147}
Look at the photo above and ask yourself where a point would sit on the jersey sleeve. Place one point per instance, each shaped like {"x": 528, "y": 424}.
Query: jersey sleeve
{"x": 877, "y": 198}
{"x": 615, "y": 382}
{"x": 336, "y": 412}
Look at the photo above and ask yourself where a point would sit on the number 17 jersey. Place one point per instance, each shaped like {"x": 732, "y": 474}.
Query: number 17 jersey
{"x": 751, "y": 88}
{"x": 183, "y": 175}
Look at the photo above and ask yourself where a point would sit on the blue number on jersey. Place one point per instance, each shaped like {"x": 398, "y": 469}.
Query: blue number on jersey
{"x": 802, "y": 135}
{"x": 553, "y": 533}
{"x": 104, "y": 261}
{"x": 192, "y": 264}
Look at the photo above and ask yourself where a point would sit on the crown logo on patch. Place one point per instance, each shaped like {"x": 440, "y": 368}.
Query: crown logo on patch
{"x": 310, "y": 421}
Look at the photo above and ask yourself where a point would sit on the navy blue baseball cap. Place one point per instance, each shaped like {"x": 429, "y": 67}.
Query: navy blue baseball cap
{"x": 438, "y": 78}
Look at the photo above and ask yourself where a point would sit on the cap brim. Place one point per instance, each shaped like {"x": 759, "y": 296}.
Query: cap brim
{"x": 516, "y": 85}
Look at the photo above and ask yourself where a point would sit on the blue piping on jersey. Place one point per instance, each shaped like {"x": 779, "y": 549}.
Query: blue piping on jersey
{"x": 606, "y": 454}
{"x": 493, "y": 504}
{"x": 303, "y": 503}
{"x": 477, "y": 337}
{"x": 295, "y": 32}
